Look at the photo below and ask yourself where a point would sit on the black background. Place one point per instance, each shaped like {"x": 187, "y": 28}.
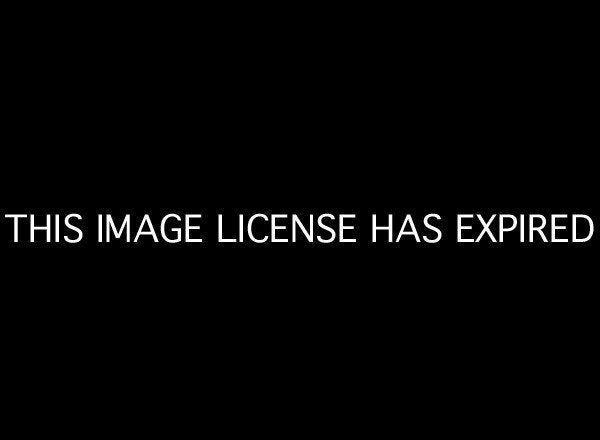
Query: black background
{"x": 386, "y": 112}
